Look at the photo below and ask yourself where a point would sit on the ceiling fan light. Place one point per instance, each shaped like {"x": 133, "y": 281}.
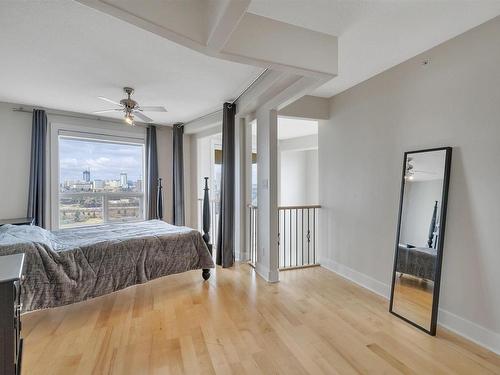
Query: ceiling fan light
{"x": 129, "y": 119}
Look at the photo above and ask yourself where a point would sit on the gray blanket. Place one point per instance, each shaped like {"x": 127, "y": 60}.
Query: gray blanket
{"x": 73, "y": 265}
{"x": 417, "y": 261}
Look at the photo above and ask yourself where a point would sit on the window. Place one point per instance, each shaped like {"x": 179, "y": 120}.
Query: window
{"x": 217, "y": 173}
{"x": 254, "y": 131}
{"x": 99, "y": 181}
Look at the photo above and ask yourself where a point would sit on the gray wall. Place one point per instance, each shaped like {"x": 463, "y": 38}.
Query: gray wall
{"x": 453, "y": 101}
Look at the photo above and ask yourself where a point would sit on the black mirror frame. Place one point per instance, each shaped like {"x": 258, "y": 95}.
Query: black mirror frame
{"x": 440, "y": 244}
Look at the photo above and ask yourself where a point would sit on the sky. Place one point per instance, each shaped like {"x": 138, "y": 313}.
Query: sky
{"x": 104, "y": 160}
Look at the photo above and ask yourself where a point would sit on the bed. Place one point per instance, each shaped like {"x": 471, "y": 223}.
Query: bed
{"x": 417, "y": 261}
{"x": 73, "y": 265}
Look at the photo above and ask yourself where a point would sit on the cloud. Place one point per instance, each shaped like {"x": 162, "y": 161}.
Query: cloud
{"x": 68, "y": 163}
{"x": 104, "y": 160}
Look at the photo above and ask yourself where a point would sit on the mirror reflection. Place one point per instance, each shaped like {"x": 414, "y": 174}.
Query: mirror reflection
{"x": 419, "y": 231}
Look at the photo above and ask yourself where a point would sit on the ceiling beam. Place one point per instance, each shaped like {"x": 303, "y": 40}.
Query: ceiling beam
{"x": 278, "y": 90}
{"x": 284, "y": 47}
{"x": 224, "y": 20}
{"x": 298, "y": 60}
{"x": 232, "y": 34}
{"x": 308, "y": 107}
{"x": 259, "y": 92}
{"x": 126, "y": 12}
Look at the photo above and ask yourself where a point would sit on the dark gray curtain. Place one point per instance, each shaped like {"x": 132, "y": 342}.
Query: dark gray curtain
{"x": 36, "y": 193}
{"x": 225, "y": 237}
{"x": 152, "y": 171}
{"x": 178, "y": 175}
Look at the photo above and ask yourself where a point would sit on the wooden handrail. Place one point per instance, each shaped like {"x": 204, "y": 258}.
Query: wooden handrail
{"x": 298, "y": 207}
{"x": 289, "y": 207}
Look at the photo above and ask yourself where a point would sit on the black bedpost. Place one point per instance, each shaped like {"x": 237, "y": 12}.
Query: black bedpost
{"x": 432, "y": 227}
{"x": 206, "y": 226}
{"x": 159, "y": 201}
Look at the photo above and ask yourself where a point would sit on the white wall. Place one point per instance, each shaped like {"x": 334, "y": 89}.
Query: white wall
{"x": 15, "y": 151}
{"x": 189, "y": 152}
{"x": 298, "y": 178}
{"x": 15, "y": 145}
{"x": 205, "y": 160}
{"x": 312, "y": 176}
{"x": 453, "y": 101}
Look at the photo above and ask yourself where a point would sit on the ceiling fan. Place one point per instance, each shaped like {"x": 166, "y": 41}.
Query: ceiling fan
{"x": 410, "y": 172}
{"x": 131, "y": 108}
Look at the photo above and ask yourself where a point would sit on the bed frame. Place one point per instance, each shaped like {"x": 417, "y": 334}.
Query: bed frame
{"x": 206, "y": 227}
{"x": 206, "y": 218}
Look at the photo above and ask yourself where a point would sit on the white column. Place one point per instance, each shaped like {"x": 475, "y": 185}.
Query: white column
{"x": 240, "y": 192}
{"x": 267, "y": 194}
{"x": 278, "y": 172}
{"x": 248, "y": 181}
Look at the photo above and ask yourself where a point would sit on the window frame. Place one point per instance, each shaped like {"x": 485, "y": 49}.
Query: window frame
{"x": 106, "y": 135}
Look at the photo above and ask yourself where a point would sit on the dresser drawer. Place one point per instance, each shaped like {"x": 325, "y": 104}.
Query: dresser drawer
{"x": 19, "y": 358}
{"x": 11, "y": 345}
{"x": 17, "y": 294}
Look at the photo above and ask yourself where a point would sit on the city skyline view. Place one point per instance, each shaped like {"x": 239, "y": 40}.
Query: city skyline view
{"x": 104, "y": 160}
{"x": 91, "y": 174}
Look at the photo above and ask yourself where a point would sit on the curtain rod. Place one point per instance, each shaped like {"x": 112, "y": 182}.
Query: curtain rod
{"x": 250, "y": 85}
{"x": 234, "y": 101}
{"x": 21, "y": 109}
{"x": 89, "y": 117}
{"x": 81, "y": 117}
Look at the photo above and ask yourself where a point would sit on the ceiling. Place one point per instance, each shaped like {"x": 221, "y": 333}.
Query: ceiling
{"x": 428, "y": 166}
{"x": 375, "y": 35}
{"x": 63, "y": 55}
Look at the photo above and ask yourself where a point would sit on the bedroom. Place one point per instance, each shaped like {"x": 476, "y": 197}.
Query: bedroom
{"x": 115, "y": 293}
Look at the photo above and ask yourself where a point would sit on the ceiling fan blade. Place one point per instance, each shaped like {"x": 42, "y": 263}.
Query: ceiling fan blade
{"x": 109, "y": 100}
{"x": 427, "y": 172}
{"x": 152, "y": 108}
{"x": 142, "y": 116}
{"x": 108, "y": 110}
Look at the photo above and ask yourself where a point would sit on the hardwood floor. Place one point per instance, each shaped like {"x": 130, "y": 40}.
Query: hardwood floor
{"x": 312, "y": 322}
{"x": 413, "y": 299}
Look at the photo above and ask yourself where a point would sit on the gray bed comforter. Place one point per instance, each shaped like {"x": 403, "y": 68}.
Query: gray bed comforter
{"x": 73, "y": 265}
{"x": 417, "y": 261}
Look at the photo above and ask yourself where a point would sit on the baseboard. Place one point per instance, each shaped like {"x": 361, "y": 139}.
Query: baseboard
{"x": 266, "y": 274}
{"x": 241, "y": 257}
{"x": 461, "y": 326}
{"x": 470, "y": 330}
{"x": 356, "y": 277}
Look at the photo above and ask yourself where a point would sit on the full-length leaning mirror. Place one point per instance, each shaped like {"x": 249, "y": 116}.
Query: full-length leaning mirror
{"x": 420, "y": 237}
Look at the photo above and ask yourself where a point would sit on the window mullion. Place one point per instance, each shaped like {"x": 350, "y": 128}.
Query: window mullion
{"x": 105, "y": 208}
